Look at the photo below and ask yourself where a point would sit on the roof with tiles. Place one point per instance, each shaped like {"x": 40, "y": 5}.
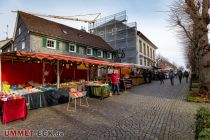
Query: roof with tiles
{"x": 46, "y": 27}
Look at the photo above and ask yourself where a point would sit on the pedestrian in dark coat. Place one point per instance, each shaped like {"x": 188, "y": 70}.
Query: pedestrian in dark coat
{"x": 171, "y": 77}
{"x": 149, "y": 74}
{"x": 186, "y": 75}
{"x": 161, "y": 77}
{"x": 180, "y": 75}
{"x": 145, "y": 76}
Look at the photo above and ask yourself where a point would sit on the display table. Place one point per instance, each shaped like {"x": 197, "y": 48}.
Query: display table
{"x": 137, "y": 80}
{"x": 47, "y": 98}
{"x": 13, "y": 110}
{"x": 98, "y": 90}
{"x": 77, "y": 95}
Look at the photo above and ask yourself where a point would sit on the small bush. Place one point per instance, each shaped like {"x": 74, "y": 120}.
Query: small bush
{"x": 203, "y": 124}
{"x": 204, "y": 134}
{"x": 201, "y": 97}
{"x": 191, "y": 98}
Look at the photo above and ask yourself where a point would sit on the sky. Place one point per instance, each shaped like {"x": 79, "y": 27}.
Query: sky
{"x": 151, "y": 17}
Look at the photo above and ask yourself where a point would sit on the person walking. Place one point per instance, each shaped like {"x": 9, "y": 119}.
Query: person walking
{"x": 186, "y": 75}
{"x": 180, "y": 75}
{"x": 115, "y": 77}
{"x": 161, "y": 77}
{"x": 149, "y": 75}
{"x": 171, "y": 77}
{"x": 145, "y": 76}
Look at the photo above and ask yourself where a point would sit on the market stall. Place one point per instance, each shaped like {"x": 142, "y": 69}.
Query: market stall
{"x": 137, "y": 74}
{"x": 31, "y": 75}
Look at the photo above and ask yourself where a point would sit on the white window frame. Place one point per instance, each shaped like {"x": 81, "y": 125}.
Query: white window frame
{"x": 23, "y": 44}
{"x": 101, "y": 53}
{"x": 91, "y": 52}
{"x": 110, "y": 55}
{"x": 54, "y": 46}
{"x": 75, "y": 48}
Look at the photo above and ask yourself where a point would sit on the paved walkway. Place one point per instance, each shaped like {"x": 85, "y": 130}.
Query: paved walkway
{"x": 146, "y": 112}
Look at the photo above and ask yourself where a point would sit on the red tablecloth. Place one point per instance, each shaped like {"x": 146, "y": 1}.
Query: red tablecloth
{"x": 13, "y": 110}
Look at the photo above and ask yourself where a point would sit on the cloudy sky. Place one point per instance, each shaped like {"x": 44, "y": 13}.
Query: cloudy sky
{"x": 149, "y": 15}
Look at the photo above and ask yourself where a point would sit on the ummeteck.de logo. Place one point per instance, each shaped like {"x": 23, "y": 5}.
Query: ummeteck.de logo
{"x": 32, "y": 133}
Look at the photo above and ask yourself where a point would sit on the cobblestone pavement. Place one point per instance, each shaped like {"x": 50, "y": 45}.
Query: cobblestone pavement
{"x": 146, "y": 112}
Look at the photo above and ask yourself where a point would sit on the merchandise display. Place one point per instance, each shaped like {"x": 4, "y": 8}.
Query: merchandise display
{"x": 33, "y": 79}
{"x": 13, "y": 109}
{"x": 97, "y": 88}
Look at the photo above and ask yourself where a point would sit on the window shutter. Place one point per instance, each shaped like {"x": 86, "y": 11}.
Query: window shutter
{"x": 104, "y": 54}
{"x": 94, "y": 52}
{"x": 57, "y": 44}
{"x": 77, "y": 49}
{"x": 44, "y": 42}
{"x": 67, "y": 47}
{"x": 85, "y": 50}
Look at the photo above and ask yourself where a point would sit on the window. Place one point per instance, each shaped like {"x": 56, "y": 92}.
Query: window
{"x": 145, "y": 62}
{"x": 51, "y": 43}
{"x": 148, "y": 63}
{"x": 140, "y": 46}
{"x": 8, "y": 50}
{"x": 147, "y": 50}
{"x": 23, "y": 45}
{"x": 144, "y": 49}
{"x": 19, "y": 30}
{"x": 109, "y": 55}
{"x": 153, "y": 54}
{"x": 89, "y": 51}
{"x": 99, "y": 53}
{"x": 150, "y": 53}
{"x": 72, "y": 48}
{"x": 114, "y": 30}
{"x": 141, "y": 60}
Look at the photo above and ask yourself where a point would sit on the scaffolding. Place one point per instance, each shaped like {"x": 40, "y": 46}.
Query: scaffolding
{"x": 119, "y": 34}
